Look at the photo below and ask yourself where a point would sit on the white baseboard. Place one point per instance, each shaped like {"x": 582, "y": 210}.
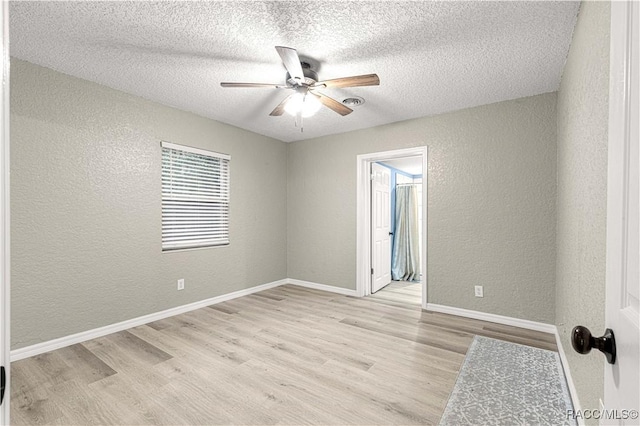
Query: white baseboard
{"x": 567, "y": 374}
{"x": 500, "y": 319}
{"x": 61, "y": 342}
{"x": 322, "y": 287}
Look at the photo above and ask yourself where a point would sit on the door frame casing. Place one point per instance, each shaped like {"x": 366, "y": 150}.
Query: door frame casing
{"x": 363, "y": 212}
{"x": 5, "y": 297}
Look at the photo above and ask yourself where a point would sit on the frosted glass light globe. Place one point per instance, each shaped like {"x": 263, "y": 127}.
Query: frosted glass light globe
{"x": 309, "y": 105}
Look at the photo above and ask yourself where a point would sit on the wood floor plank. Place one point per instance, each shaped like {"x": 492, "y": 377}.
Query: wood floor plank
{"x": 496, "y": 331}
{"x": 454, "y": 345}
{"x": 426, "y": 406}
{"x": 223, "y": 308}
{"x": 87, "y": 405}
{"x": 31, "y": 404}
{"x": 328, "y": 350}
{"x": 300, "y": 402}
{"x": 268, "y": 296}
{"x": 531, "y": 334}
{"x": 138, "y": 348}
{"x": 87, "y": 368}
{"x": 48, "y": 368}
{"x": 332, "y": 391}
{"x": 287, "y": 355}
{"x": 400, "y": 292}
{"x": 138, "y": 403}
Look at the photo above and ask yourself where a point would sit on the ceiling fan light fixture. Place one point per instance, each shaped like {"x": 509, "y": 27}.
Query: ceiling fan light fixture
{"x": 308, "y": 103}
{"x": 305, "y": 102}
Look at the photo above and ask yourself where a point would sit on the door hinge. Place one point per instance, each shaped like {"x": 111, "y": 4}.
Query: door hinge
{"x": 373, "y": 176}
{"x": 3, "y": 380}
{"x": 371, "y": 271}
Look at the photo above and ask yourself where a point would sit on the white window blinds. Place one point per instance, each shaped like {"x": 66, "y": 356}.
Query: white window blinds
{"x": 195, "y": 197}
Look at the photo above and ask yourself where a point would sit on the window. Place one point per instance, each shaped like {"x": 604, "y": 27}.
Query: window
{"x": 195, "y": 197}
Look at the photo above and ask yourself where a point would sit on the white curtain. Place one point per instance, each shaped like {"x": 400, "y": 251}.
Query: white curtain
{"x": 405, "y": 262}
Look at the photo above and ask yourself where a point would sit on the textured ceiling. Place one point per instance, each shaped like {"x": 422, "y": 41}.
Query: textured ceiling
{"x": 431, "y": 57}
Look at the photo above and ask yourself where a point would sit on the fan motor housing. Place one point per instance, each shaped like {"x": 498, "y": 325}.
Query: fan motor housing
{"x": 310, "y": 76}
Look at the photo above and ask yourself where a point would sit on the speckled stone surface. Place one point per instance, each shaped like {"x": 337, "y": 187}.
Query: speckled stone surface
{"x": 431, "y": 56}
{"x": 503, "y": 383}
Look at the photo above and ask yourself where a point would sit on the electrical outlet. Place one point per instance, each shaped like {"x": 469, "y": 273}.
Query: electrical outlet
{"x": 479, "y": 292}
{"x": 181, "y": 284}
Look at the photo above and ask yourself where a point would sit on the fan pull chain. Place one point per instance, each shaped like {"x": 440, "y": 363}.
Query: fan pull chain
{"x": 299, "y": 119}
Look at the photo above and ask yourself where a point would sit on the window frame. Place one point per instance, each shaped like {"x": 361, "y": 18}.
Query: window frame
{"x": 222, "y": 206}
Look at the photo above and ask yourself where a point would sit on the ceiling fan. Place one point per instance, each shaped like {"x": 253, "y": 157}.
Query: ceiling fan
{"x": 306, "y": 100}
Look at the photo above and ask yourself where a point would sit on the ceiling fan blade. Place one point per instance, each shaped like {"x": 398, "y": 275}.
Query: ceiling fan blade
{"x": 279, "y": 110}
{"x": 357, "y": 80}
{"x": 291, "y": 62}
{"x": 333, "y": 104}
{"x": 276, "y": 86}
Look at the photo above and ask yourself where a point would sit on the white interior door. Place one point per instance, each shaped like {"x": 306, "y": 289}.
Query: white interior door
{"x": 622, "y": 379}
{"x": 381, "y": 226}
{"x": 4, "y": 210}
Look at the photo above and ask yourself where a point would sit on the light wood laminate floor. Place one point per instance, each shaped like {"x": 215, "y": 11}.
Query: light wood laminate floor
{"x": 401, "y": 292}
{"x": 288, "y": 355}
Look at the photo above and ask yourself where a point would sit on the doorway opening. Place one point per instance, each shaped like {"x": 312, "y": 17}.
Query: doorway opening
{"x": 391, "y": 224}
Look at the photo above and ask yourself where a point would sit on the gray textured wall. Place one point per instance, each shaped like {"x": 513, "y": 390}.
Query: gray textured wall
{"x": 491, "y": 205}
{"x": 583, "y": 113}
{"x": 85, "y": 207}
